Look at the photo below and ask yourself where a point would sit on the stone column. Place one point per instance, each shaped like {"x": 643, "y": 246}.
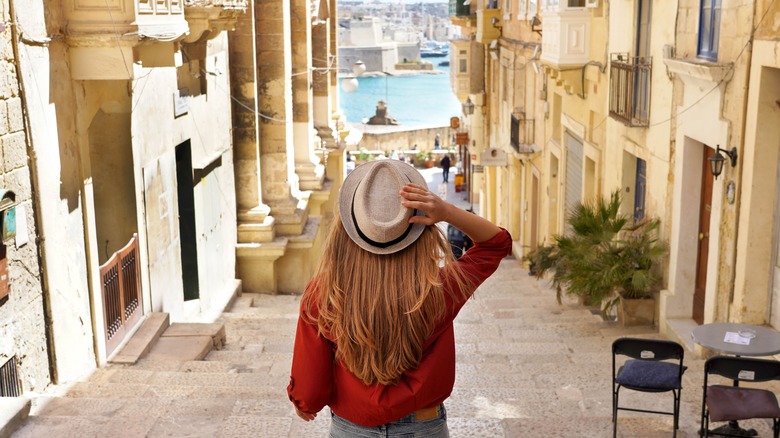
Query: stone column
{"x": 333, "y": 50}
{"x": 307, "y": 167}
{"x": 254, "y": 224}
{"x": 321, "y": 83}
{"x": 274, "y": 101}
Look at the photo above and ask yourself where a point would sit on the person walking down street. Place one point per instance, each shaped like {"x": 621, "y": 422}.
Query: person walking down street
{"x": 375, "y": 339}
{"x": 445, "y": 168}
{"x": 437, "y": 142}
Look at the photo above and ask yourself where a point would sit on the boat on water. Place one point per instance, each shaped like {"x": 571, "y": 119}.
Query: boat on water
{"x": 432, "y": 53}
{"x": 444, "y": 63}
{"x": 433, "y": 49}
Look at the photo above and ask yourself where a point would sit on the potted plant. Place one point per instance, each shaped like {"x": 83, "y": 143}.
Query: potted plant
{"x": 605, "y": 259}
{"x": 424, "y": 158}
{"x": 633, "y": 263}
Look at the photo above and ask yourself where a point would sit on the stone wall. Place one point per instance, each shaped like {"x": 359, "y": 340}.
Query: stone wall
{"x": 394, "y": 139}
{"x": 22, "y": 320}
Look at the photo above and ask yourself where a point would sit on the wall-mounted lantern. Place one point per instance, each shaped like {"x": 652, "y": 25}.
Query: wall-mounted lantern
{"x": 717, "y": 160}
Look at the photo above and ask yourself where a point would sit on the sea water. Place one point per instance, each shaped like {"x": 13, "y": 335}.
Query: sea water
{"x": 418, "y": 101}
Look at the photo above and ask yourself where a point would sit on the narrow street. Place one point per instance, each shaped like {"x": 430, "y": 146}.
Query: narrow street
{"x": 527, "y": 367}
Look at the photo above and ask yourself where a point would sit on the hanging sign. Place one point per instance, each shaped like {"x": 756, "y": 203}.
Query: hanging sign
{"x": 462, "y": 138}
{"x": 493, "y": 157}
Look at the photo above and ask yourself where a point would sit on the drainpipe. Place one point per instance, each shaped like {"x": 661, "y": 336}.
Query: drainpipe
{"x": 35, "y": 198}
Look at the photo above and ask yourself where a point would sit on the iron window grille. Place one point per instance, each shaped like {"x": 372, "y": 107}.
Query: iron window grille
{"x": 9, "y": 379}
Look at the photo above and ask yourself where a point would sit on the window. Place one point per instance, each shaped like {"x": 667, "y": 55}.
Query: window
{"x": 514, "y": 132}
{"x": 463, "y": 66}
{"x": 521, "y": 9}
{"x": 709, "y": 29}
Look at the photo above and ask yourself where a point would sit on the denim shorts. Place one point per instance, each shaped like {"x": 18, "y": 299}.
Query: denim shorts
{"x": 406, "y": 427}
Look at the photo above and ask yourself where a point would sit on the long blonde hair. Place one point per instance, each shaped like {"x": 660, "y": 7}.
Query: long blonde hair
{"x": 380, "y": 309}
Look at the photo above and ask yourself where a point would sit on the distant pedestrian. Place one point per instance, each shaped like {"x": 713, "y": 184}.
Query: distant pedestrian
{"x": 375, "y": 339}
{"x": 445, "y": 168}
{"x": 436, "y": 142}
{"x": 350, "y": 163}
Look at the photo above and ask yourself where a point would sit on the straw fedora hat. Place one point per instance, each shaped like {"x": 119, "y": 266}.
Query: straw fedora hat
{"x": 371, "y": 209}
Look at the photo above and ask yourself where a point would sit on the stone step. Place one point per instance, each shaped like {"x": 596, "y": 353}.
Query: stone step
{"x": 161, "y": 341}
{"x": 143, "y": 339}
{"x": 13, "y": 413}
{"x": 245, "y": 301}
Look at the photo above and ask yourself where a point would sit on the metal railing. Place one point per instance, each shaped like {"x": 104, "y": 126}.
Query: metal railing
{"x": 121, "y": 287}
{"x": 629, "y": 89}
{"x": 9, "y": 379}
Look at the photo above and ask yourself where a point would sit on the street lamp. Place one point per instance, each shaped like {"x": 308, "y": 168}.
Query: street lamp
{"x": 468, "y": 107}
{"x": 349, "y": 84}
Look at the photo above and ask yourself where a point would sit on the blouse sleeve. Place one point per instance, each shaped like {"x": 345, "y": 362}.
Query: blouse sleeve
{"x": 311, "y": 377}
{"x": 481, "y": 261}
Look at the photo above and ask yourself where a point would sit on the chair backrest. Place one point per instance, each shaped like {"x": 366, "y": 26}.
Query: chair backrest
{"x": 742, "y": 368}
{"x": 648, "y": 349}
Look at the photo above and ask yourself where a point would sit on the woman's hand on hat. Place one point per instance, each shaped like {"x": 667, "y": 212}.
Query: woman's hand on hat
{"x": 420, "y": 198}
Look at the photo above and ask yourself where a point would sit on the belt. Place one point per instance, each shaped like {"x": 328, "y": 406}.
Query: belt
{"x": 427, "y": 413}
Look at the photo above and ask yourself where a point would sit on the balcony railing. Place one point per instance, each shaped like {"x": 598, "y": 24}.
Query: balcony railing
{"x": 629, "y": 89}
{"x": 459, "y": 8}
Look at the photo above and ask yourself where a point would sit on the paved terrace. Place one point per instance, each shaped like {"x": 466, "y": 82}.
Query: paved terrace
{"x": 526, "y": 367}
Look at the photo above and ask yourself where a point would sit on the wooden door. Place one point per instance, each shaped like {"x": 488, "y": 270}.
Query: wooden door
{"x": 705, "y": 210}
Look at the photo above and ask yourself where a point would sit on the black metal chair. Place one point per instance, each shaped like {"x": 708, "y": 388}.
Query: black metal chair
{"x": 732, "y": 403}
{"x": 655, "y": 366}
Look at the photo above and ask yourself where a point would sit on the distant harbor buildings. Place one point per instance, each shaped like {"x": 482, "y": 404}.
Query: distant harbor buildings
{"x": 393, "y": 37}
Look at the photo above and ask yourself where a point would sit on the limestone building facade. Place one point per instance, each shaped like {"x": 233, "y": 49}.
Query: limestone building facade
{"x": 160, "y": 157}
{"x": 640, "y": 105}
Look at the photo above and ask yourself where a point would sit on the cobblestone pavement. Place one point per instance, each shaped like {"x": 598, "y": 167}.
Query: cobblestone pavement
{"x": 526, "y": 367}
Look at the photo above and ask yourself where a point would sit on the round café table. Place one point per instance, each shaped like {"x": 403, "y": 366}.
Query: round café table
{"x": 765, "y": 343}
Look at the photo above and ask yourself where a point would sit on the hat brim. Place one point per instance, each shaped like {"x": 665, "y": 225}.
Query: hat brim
{"x": 347, "y": 196}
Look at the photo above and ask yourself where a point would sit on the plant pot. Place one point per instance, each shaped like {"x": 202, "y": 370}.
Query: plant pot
{"x": 428, "y": 164}
{"x": 588, "y": 301}
{"x": 636, "y": 311}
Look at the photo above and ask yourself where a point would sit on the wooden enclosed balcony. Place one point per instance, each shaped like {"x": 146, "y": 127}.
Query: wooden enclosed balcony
{"x": 106, "y": 38}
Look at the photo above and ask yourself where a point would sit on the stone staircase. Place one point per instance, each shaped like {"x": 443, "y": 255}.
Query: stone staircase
{"x": 161, "y": 340}
{"x": 526, "y": 367}
{"x": 223, "y": 379}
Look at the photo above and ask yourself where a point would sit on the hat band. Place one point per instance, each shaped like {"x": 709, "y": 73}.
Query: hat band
{"x": 375, "y": 243}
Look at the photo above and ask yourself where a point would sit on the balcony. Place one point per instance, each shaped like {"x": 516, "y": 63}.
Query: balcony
{"x": 103, "y": 36}
{"x": 467, "y": 68}
{"x": 107, "y": 37}
{"x": 459, "y": 8}
{"x": 521, "y": 134}
{"x": 566, "y": 36}
{"x": 487, "y": 31}
{"x": 629, "y": 89}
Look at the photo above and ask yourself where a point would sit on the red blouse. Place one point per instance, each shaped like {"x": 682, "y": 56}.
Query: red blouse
{"x": 317, "y": 379}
